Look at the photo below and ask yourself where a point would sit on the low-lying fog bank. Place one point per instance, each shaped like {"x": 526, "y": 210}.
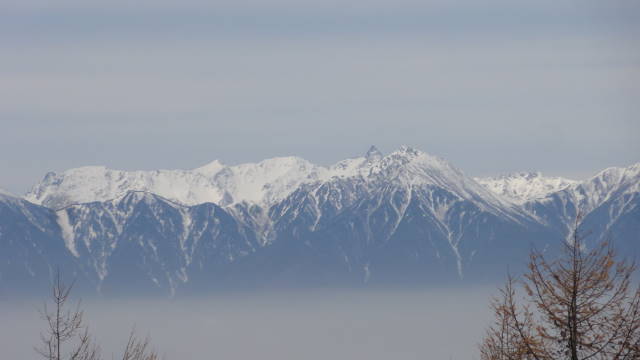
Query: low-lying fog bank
{"x": 312, "y": 325}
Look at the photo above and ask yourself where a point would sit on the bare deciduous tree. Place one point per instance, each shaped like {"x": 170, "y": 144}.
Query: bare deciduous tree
{"x": 583, "y": 304}
{"x": 68, "y": 338}
{"x": 512, "y": 325}
{"x": 137, "y": 349}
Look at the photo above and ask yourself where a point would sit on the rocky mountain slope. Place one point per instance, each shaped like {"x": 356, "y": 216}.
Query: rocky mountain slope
{"x": 523, "y": 187}
{"x": 405, "y": 218}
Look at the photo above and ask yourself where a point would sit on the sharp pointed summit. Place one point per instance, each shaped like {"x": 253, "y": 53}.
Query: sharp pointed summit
{"x": 405, "y": 217}
{"x": 373, "y": 154}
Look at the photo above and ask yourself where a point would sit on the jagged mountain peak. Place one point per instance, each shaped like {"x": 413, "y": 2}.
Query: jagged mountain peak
{"x": 418, "y": 167}
{"x": 267, "y": 182}
{"x": 407, "y": 154}
{"x": 520, "y": 187}
{"x": 373, "y": 154}
{"x": 619, "y": 174}
{"x": 408, "y": 169}
{"x": 605, "y": 185}
{"x": 404, "y": 162}
{"x": 369, "y": 219}
{"x": 531, "y": 187}
{"x": 409, "y": 150}
{"x": 354, "y": 167}
{"x": 98, "y": 183}
{"x": 263, "y": 183}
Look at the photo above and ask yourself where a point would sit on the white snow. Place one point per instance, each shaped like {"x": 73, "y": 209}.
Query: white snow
{"x": 67, "y": 231}
{"x": 393, "y": 181}
{"x": 263, "y": 183}
{"x": 587, "y": 194}
{"x": 267, "y": 182}
{"x": 97, "y": 183}
{"x": 525, "y": 186}
{"x": 605, "y": 185}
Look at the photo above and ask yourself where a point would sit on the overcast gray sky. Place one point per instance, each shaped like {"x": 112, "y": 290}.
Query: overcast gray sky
{"x": 493, "y": 86}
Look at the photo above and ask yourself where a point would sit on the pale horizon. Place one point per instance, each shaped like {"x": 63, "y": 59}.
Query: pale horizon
{"x": 549, "y": 86}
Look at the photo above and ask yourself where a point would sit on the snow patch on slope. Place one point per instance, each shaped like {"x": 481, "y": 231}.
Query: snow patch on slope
{"x": 605, "y": 185}
{"x": 270, "y": 181}
{"x": 97, "y": 183}
{"x": 525, "y": 186}
{"x": 263, "y": 183}
{"x": 412, "y": 167}
{"x": 67, "y": 231}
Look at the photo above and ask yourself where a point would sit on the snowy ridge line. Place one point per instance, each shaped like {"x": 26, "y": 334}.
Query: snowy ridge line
{"x": 522, "y": 187}
{"x": 264, "y": 183}
{"x": 605, "y": 185}
{"x": 122, "y": 196}
{"x": 270, "y": 181}
{"x": 406, "y": 216}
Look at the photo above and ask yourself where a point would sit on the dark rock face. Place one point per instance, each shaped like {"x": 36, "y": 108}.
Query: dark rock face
{"x": 31, "y": 248}
{"x": 383, "y": 228}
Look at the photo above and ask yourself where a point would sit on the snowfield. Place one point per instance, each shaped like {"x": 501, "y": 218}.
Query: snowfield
{"x": 376, "y": 219}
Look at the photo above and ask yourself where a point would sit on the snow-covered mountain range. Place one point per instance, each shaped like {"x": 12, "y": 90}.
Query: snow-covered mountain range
{"x": 264, "y": 183}
{"x": 402, "y": 218}
{"x": 525, "y": 186}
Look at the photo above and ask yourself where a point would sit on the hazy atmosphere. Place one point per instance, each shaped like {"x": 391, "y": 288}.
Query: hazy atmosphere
{"x": 490, "y": 86}
{"x": 322, "y": 180}
{"x": 317, "y": 325}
